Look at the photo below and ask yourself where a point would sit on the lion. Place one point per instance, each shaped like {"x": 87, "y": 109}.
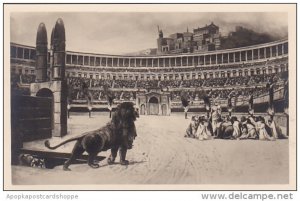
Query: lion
{"x": 118, "y": 133}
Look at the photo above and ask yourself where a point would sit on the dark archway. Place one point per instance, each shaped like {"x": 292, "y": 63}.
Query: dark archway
{"x": 153, "y": 106}
{"x": 153, "y": 100}
{"x": 46, "y": 93}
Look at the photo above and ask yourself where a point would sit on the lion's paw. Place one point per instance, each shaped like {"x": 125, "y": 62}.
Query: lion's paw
{"x": 110, "y": 161}
{"x": 66, "y": 169}
{"x": 124, "y": 162}
{"x": 94, "y": 165}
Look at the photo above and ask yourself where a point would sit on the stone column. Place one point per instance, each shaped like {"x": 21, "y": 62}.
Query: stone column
{"x": 41, "y": 54}
{"x": 71, "y": 55}
{"x": 59, "y": 85}
{"x": 23, "y": 53}
{"x": 16, "y": 52}
{"x": 234, "y": 57}
{"x": 271, "y": 52}
{"x": 100, "y": 61}
{"x": 193, "y": 61}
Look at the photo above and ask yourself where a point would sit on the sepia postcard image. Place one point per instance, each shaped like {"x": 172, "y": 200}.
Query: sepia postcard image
{"x": 150, "y": 97}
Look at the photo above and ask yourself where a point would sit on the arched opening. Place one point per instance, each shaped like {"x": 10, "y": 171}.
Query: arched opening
{"x": 153, "y": 100}
{"x": 270, "y": 70}
{"x": 47, "y": 94}
{"x": 153, "y": 106}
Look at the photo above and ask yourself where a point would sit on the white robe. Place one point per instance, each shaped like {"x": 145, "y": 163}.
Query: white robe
{"x": 203, "y": 132}
{"x": 236, "y": 130}
{"x": 262, "y": 132}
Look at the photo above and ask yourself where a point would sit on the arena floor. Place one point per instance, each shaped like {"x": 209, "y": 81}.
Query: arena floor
{"x": 161, "y": 155}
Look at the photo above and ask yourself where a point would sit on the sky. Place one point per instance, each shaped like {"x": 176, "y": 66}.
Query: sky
{"x": 122, "y": 33}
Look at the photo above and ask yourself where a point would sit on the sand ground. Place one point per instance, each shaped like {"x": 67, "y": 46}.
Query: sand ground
{"x": 161, "y": 155}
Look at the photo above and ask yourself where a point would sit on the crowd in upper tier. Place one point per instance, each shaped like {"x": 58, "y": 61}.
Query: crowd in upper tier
{"x": 193, "y": 95}
{"x": 178, "y": 83}
{"x": 222, "y": 93}
{"x": 96, "y": 86}
{"x": 76, "y": 82}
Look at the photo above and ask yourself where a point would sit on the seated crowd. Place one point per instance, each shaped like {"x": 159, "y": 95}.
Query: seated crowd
{"x": 192, "y": 83}
{"x": 222, "y": 94}
{"x": 170, "y": 83}
{"x": 146, "y": 84}
{"x": 96, "y": 85}
{"x": 215, "y": 82}
{"x": 100, "y": 95}
{"x": 77, "y": 82}
{"x": 124, "y": 84}
{"x": 232, "y": 81}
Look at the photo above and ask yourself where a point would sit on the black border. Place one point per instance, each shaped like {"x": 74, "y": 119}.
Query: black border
{"x": 296, "y": 4}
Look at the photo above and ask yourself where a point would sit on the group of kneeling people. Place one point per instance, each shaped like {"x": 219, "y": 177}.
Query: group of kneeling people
{"x": 230, "y": 127}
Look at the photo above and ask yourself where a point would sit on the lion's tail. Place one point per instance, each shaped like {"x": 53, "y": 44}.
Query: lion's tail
{"x": 47, "y": 143}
